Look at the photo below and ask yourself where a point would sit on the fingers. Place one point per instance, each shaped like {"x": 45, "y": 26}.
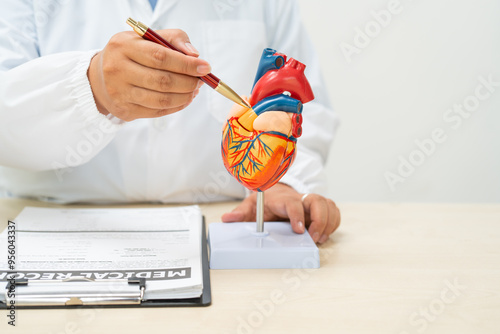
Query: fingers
{"x": 159, "y": 80}
{"x": 333, "y": 221}
{"x": 283, "y": 202}
{"x": 129, "y": 112}
{"x": 295, "y": 211}
{"x": 157, "y": 56}
{"x": 180, "y": 40}
{"x": 243, "y": 212}
{"x": 274, "y": 209}
{"x": 317, "y": 209}
{"x": 134, "y": 78}
{"x": 156, "y": 100}
{"x": 324, "y": 216}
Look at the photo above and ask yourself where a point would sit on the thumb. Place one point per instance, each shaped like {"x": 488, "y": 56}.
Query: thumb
{"x": 243, "y": 212}
{"x": 180, "y": 40}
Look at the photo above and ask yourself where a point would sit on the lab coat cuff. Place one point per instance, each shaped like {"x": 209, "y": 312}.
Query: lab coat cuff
{"x": 81, "y": 91}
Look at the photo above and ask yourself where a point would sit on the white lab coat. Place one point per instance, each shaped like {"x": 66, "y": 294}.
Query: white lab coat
{"x": 55, "y": 145}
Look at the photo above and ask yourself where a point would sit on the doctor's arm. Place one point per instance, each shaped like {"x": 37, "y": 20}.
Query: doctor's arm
{"x": 47, "y": 104}
{"x": 307, "y": 175}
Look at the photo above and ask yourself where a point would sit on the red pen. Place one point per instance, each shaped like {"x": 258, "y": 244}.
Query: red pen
{"x": 210, "y": 79}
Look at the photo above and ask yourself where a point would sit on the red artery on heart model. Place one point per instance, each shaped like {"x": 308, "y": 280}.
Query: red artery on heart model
{"x": 259, "y": 144}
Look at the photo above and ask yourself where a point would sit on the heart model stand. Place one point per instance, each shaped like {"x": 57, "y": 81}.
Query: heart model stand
{"x": 258, "y": 158}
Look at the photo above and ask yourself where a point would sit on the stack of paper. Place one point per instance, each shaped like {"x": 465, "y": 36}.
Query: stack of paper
{"x": 162, "y": 245}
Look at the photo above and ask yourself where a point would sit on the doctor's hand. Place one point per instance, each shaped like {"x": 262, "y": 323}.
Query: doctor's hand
{"x": 319, "y": 214}
{"x": 134, "y": 78}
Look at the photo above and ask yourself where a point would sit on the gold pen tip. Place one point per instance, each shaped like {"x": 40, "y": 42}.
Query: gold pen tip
{"x": 244, "y": 104}
{"x": 226, "y": 91}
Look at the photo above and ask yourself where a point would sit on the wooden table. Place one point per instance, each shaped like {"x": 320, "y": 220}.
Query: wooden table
{"x": 390, "y": 268}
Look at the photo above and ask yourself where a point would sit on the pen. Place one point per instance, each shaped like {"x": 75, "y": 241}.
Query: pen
{"x": 210, "y": 79}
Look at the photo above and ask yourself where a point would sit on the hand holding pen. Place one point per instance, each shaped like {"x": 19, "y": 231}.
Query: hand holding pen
{"x": 134, "y": 78}
{"x": 210, "y": 79}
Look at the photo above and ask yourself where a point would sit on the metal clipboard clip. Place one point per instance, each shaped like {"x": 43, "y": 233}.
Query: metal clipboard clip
{"x": 76, "y": 291}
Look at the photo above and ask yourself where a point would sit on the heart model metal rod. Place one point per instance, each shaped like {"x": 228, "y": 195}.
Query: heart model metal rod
{"x": 260, "y": 212}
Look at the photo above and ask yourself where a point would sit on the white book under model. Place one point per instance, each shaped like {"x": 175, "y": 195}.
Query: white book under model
{"x": 67, "y": 253}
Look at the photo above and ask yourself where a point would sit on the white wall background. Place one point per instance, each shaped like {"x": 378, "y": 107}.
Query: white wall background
{"x": 398, "y": 89}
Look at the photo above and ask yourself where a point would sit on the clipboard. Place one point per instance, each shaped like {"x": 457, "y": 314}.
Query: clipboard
{"x": 125, "y": 292}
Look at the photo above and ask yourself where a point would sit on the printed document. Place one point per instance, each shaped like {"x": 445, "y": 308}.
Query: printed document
{"x": 162, "y": 245}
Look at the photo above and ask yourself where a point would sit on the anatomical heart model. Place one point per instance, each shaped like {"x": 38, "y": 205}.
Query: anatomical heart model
{"x": 258, "y": 144}
{"x": 258, "y": 147}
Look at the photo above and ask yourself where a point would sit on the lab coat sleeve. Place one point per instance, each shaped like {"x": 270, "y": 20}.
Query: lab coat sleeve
{"x": 287, "y": 34}
{"x": 48, "y": 116}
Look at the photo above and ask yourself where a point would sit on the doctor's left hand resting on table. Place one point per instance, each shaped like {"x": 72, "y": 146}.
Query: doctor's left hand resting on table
{"x": 319, "y": 214}
{"x": 157, "y": 82}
